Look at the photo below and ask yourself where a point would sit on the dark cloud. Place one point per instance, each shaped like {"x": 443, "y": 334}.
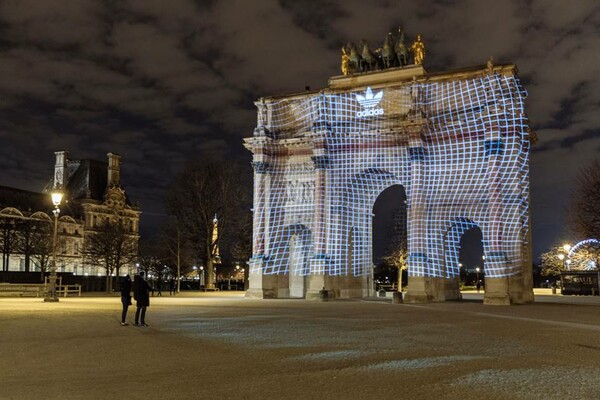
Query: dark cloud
{"x": 162, "y": 82}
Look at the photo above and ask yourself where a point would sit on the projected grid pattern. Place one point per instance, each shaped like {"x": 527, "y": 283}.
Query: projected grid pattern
{"x": 460, "y": 149}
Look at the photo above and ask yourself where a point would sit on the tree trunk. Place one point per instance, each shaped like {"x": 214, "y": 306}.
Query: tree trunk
{"x": 108, "y": 282}
{"x": 400, "y": 279}
{"x": 210, "y": 270}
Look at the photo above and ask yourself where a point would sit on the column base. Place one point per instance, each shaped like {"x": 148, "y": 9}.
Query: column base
{"x": 320, "y": 295}
{"x": 496, "y": 292}
{"x": 496, "y": 300}
{"x": 424, "y": 290}
{"x": 260, "y": 294}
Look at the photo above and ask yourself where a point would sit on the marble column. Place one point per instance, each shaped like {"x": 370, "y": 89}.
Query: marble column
{"x": 421, "y": 285}
{"x": 496, "y": 262}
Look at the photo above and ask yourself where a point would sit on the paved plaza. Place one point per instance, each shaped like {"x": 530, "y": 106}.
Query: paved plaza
{"x": 223, "y": 346}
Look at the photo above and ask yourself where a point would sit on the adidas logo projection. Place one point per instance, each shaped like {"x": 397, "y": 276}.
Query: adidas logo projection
{"x": 369, "y": 101}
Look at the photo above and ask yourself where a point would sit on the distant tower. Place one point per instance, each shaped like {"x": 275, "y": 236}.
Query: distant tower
{"x": 215, "y": 235}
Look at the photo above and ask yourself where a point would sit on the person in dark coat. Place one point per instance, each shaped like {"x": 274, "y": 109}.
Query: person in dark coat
{"x": 141, "y": 293}
{"x": 125, "y": 298}
{"x": 159, "y": 286}
{"x": 172, "y": 289}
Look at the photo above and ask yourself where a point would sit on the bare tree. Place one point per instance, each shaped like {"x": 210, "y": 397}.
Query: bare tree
{"x": 205, "y": 189}
{"x": 42, "y": 246}
{"x": 586, "y": 202}
{"x": 397, "y": 252}
{"x": 111, "y": 246}
{"x": 34, "y": 241}
{"x": 553, "y": 262}
{"x": 177, "y": 249}
{"x": 8, "y": 237}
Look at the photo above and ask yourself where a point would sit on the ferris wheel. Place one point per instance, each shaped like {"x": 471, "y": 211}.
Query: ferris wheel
{"x": 584, "y": 256}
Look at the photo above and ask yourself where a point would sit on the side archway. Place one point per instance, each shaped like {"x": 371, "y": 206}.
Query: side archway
{"x": 452, "y": 254}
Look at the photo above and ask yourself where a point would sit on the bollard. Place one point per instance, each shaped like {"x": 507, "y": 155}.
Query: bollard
{"x": 397, "y": 299}
{"x": 323, "y": 295}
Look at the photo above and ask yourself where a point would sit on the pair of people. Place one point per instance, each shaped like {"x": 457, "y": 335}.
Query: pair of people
{"x": 141, "y": 294}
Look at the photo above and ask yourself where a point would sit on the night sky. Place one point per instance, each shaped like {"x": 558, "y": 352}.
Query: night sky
{"x": 160, "y": 82}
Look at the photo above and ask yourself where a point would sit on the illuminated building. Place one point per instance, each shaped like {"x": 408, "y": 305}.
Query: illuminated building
{"x": 93, "y": 194}
{"x": 457, "y": 141}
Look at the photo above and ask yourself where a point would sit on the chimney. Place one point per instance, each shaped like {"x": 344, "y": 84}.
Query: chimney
{"x": 114, "y": 173}
{"x": 60, "y": 169}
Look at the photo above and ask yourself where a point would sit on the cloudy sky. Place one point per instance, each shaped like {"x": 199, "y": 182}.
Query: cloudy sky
{"x": 160, "y": 82}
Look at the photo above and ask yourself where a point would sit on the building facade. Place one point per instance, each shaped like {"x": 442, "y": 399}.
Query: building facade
{"x": 92, "y": 195}
{"x": 457, "y": 142}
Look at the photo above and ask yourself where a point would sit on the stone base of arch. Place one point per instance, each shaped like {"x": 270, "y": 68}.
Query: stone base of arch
{"x": 431, "y": 289}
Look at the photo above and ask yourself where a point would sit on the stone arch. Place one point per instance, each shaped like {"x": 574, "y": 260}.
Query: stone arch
{"x": 68, "y": 219}
{"x": 355, "y": 218}
{"x": 451, "y": 268}
{"x": 42, "y": 216}
{"x": 278, "y": 260}
{"x": 11, "y": 211}
{"x": 288, "y": 261}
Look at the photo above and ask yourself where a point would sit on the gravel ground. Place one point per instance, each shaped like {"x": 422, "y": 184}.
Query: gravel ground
{"x": 223, "y": 346}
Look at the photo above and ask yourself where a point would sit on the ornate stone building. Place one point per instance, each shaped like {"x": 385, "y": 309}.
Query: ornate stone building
{"x": 457, "y": 141}
{"x": 92, "y": 195}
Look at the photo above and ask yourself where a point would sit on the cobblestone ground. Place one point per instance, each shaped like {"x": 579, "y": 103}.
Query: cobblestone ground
{"x": 222, "y": 346}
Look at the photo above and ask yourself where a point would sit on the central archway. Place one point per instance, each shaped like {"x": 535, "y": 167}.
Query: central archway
{"x": 390, "y": 236}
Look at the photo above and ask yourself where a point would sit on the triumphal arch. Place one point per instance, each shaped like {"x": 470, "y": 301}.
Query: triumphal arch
{"x": 457, "y": 141}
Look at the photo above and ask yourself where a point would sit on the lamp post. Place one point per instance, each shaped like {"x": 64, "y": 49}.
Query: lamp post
{"x": 477, "y": 271}
{"x": 50, "y": 295}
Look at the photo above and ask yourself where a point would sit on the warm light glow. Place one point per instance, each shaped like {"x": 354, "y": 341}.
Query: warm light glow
{"x": 477, "y": 269}
{"x": 567, "y": 247}
{"x": 561, "y": 257}
{"x": 57, "y": 196}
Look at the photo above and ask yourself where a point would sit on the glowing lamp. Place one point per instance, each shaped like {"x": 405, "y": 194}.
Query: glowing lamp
{"x": 57, "y": 196}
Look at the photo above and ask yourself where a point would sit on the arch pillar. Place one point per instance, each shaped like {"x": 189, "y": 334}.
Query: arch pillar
{"x": 319, "y": 275}
{"x": 422, "y": 286}
{"x": 496, "y": 261}
{"x": 259, "y": 284}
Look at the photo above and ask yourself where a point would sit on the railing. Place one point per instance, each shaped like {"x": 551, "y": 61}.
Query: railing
{"x": 64, "y": 290}
{"x": 387, "y": 288}
{"x": 21, "y": 289}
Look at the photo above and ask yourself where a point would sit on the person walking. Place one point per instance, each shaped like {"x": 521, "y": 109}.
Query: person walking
{"x": 141, "y": 293}
{"x": 172, "y": 290}
{"x": 478, "y": 286}
{"x": 159, "y": 286}
{"x": 125, "y": 298}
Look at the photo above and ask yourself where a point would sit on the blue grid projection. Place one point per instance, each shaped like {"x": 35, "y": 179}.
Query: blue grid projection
{"x": 325, "y": 157}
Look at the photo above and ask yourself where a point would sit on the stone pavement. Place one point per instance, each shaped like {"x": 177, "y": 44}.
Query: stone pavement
{"x": 223, "y": 346}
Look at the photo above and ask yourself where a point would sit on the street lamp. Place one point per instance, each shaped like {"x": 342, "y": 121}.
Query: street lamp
{"x": 477, "y": 271}
{"x": 50, "y": 295}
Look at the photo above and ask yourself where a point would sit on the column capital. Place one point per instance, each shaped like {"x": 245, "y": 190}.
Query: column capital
{"x": 494, "y": 147}
{"x": 260, "y": 167}
{"x": 321, "y": 162}
{"x": 416, "y": 153}
{"x": 261, "y": 131}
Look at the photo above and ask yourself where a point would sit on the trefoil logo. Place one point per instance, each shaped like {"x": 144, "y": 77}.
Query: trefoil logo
{"x": 369, "y": 101}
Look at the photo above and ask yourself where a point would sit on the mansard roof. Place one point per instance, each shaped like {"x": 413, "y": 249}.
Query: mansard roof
{"x": 24, "y": 200}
